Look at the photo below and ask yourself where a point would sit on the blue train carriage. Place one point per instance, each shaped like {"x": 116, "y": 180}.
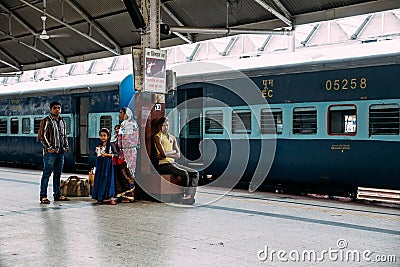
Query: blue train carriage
{"x": 333, "y": 113}
{"x": 89, "y": 103}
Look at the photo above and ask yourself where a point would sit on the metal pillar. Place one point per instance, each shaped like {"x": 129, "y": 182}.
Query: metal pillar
{"x": 147, "y": 110}
{"x": 151, "y": 15}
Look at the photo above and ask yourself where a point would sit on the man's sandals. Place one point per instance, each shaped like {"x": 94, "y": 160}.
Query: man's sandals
{"x": 61, "y": 198}
{"x": 44, "y": 200}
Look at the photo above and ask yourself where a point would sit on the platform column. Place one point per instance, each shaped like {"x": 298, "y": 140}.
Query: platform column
{"x": 145, "y": 108}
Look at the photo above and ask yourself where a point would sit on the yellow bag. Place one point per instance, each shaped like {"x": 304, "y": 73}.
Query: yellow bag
{"x": 91, "y": 178}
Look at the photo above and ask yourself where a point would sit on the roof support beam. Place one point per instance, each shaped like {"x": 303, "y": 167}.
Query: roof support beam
{"x": 228, "y": 31}
{"x": 94, "y": 25}
{"x": 194, "y": 52}
{"x": 266, "y": 42}
{"x": 113, "y": 64}
{"x": 21, "y": 22}
{"x": 10, "y": 58}
{"x": 32, "y": 47}
{"x": 73, "y": 29}
{"x": 284, "y": 9}
{"x": 274, "y": 12}
{"x": 40, "y": 52}
{"x": 178, "y": 21}
{"x": 395, "y": 14}
{"x": 184, "y": 38}
{"x": 310, "y": 35}
{"x": 9, "y": 64}
{"x": 229, "y": 46}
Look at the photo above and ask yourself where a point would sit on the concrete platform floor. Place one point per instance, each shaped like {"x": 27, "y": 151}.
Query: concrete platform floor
{"x": 239, "y": 229}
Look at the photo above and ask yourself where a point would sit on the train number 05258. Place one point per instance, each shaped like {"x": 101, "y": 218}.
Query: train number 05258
{"x": 346, "y": 84}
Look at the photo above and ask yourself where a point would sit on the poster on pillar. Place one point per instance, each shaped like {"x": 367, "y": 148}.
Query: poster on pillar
{"x": 154, "y": 73}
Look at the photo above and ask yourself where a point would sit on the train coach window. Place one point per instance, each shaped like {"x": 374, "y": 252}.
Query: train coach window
{"x": 14, "y": 126}
{"x": 26, "y": 125}
{"x": 305, "y": 120}
{"x": 271, "y": 121}
{"x": 384, "y": 119}
{"x": 36, "y": 124}
{"x": 342, "y": 119}
{"x": 213, "y": 122}
{"x": 106, "y": 122}
{"x": 241, "y": 122}
{"x": 3, "y": 126}
{"x": 67, "y": 124}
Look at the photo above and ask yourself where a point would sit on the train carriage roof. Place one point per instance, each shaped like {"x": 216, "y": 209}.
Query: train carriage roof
{"x": 66, "y": 85}
{"x": 87, "y": 29}
{"x": 307, "y": 60}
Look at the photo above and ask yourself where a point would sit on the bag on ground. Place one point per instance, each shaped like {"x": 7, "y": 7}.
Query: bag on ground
{"x": 75, "y": 186}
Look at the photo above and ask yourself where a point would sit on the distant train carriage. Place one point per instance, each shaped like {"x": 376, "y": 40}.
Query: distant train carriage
{"x": 89, "y": 103}
{"x": 335, "y": 119}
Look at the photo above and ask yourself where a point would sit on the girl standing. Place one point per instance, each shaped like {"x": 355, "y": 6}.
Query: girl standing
{"x": 103, "y": 188}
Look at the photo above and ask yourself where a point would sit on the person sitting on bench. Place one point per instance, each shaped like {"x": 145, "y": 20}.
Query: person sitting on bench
{"x": 168, "y": 150}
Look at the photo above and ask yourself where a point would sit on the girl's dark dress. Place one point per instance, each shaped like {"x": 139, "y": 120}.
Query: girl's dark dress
{"x": 103, "y": 188}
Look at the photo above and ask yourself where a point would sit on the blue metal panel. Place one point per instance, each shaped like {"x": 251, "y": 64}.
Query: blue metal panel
{"x": 33, "y": 105}
{"x": 127, "y": 92}
{"x": 106, "y": 101}
{"x": 28, "y": 150}
{"x": 376, "y": 82}
{"x": 321, "y": 162}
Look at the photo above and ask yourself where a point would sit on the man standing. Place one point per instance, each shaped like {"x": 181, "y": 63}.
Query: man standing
{"x": 167, "y": 149}
{"x": 53, "y": 135}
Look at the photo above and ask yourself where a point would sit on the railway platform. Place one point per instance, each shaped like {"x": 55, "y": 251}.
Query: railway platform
{"x": 237, "y": 228}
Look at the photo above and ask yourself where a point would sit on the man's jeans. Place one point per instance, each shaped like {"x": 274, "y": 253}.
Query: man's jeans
{"x": 190, "y": 177}
{"x": 52, "y": 162}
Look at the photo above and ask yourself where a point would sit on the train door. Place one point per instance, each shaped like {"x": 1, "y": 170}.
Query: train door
{"x": 191, "y": 126}
{"x": 82, "y": 146}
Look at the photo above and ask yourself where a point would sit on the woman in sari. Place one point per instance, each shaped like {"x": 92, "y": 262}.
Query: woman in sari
{"x": 125, "y": 163}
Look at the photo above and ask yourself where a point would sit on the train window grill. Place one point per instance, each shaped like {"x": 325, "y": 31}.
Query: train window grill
{"x": 305, "y": 120}
{"x": 241, "y": 122}
{"x": 26, "y": 125}
{"x": 384, "y": 119}
{"x": 106, "y": 122}
{"x": 342, "y": 119}
{"x": 3, "y": 126}
{"x": 36, "y": 125}
{"x": 14, "y": 125}
{"x": 269, "y": 126}
{"x": 67, "y": 124}
{"x": 213, "y": 122}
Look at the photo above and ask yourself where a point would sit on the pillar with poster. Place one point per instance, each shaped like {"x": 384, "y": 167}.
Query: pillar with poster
{"x": 150, "y": 83}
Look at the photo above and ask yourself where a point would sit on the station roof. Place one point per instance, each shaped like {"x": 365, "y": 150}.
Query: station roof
{"x": 83, "y": 30}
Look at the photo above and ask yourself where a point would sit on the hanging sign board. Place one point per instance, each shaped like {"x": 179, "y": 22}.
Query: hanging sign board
{"x": 154, "y": 70}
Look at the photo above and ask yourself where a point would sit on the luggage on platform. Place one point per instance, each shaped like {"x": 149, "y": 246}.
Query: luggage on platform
{"x": 75, "y": 186}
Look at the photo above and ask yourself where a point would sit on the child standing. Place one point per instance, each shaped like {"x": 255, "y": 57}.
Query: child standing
{"x": 103, "y": 188}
